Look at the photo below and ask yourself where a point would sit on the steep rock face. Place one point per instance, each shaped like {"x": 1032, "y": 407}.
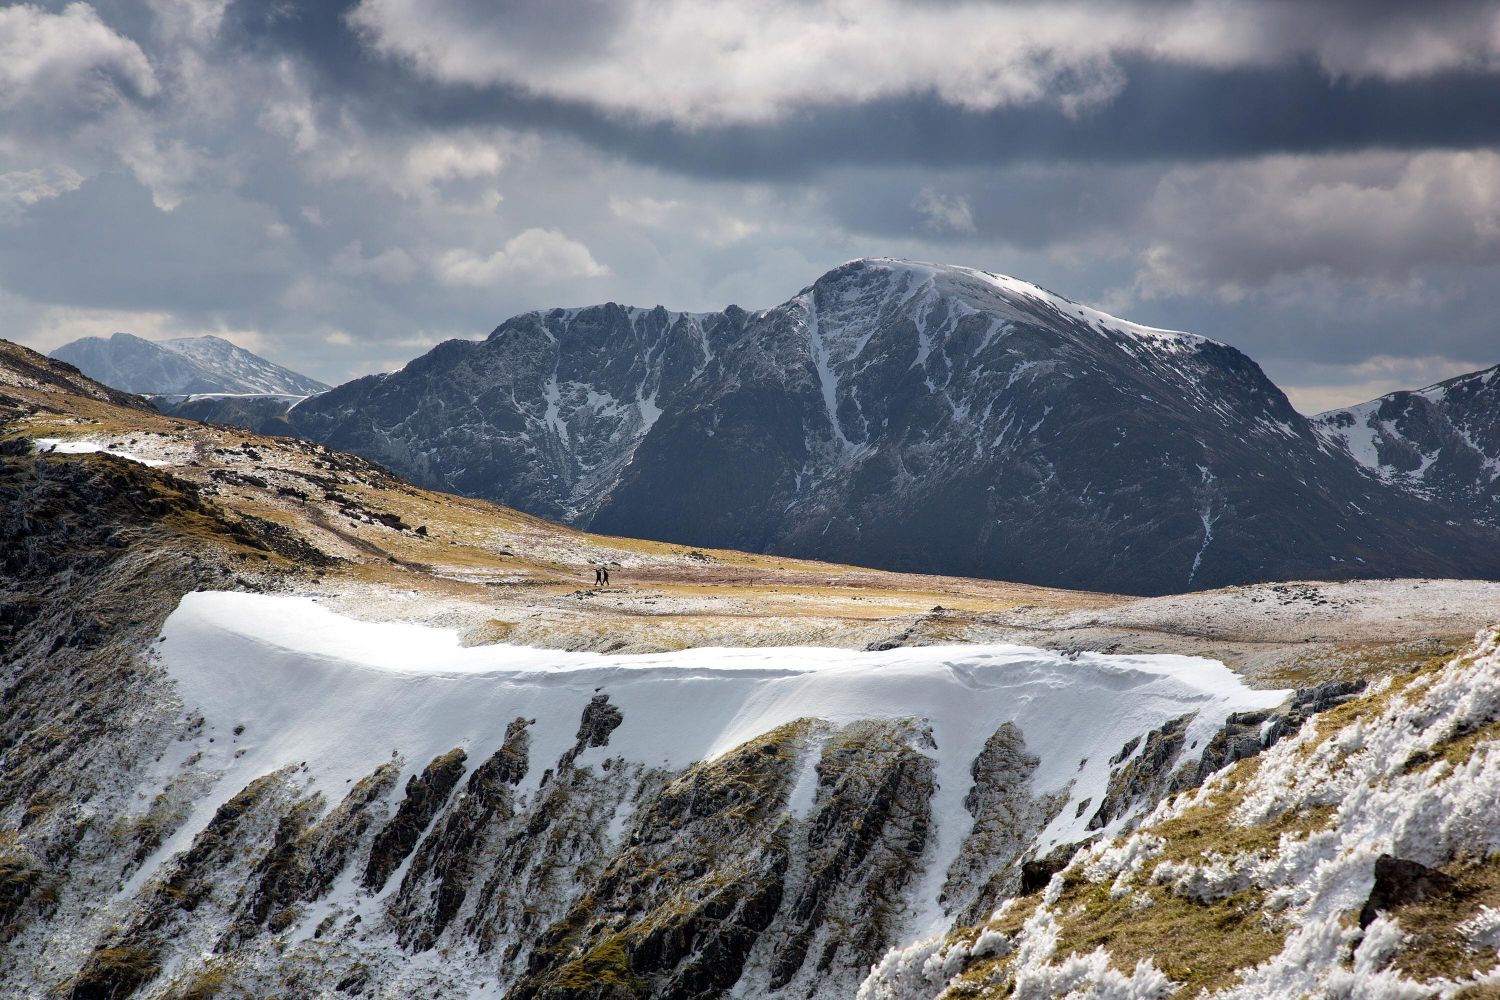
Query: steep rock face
{"x": 184, "y": 365}
{"x": 937, "y": 418}
{"x": 425, "y": 795}
{"x": 865, "y": 841}
{"x": 677, "y": 910}
{"x": 542, "y": 415}
{"x": 905, "y": 416}
{"x": 437, "y": 882}
{"x": 1441, "y": 442}
{"x": 1008, "y": 814}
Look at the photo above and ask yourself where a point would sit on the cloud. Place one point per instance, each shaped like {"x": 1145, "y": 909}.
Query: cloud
{"x": 710, "y": 224}
{"x": 695, "y": 63}
{"x": 540, "y": 254}
{"x": 394, "y": 266}
{"x": 643, "y": 211}
{"x": 68, "y": 63}
{"x": 945, "y": 213}
{"x": 1229, "y": 229}
{"x": 21, "y": 189}
{"x": 723, "y": 61}
{"x": 1127, "y": 81}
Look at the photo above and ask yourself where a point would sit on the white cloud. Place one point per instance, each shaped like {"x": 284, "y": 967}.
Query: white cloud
{"x": 710, "y": 224}
{"x": 69, "y": 61}
{"x": 540, "y": 254}
{"x": 1231, "y": 229}
{"x": 423, "y": 165}
{"x": 435, "y": 160}
{"x": 945, "y": 213}
{"x": 643, "y": 211}
{"x": 21, "y": 189}
{"x": 697, "y": 62}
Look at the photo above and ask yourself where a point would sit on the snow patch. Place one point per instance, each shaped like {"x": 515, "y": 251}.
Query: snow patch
{"x": 85, "y": 446}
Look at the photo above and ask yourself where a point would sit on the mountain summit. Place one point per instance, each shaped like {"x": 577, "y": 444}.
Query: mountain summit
{"x": 902, "y": 415}
{"x": 183, "y": 366}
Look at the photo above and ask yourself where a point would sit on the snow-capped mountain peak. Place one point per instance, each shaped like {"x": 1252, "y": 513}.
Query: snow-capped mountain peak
{"x": 182, "y": 366}
{"x": 902, "y": 414}
{"x": 997, "y": 291}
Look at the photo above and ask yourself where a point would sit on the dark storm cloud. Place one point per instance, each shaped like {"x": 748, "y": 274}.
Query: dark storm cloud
{"x": 1164, "y": 110}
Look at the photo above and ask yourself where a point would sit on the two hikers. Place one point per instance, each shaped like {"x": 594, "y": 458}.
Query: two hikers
{"x": 601, "y": 576}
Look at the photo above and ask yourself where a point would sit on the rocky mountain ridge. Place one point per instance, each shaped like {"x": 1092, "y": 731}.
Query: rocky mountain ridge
{"x": 907, "y": 416}
{"x": 1441, "y": 442}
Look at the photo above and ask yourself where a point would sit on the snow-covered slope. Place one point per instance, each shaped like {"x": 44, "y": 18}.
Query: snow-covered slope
{"x": 1441, "y": 442}
{"x": 908, "y": 416}
{"x": 952, "y": 763}
{"x": 1356, "y": 860}
{"x": 182, "y": 366}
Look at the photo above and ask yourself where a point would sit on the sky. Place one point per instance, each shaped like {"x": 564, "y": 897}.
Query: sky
{"x": 341, "y": 184}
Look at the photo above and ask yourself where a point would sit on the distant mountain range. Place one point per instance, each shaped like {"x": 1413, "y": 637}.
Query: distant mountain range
{"x": 184, "y": 366}
{"x": 930, "y": 418}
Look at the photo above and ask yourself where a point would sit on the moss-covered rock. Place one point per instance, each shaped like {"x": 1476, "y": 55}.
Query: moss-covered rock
{"x": 425, "y": 795}
{"x": 678, "y": 909}
{"x": 438, "y": 881}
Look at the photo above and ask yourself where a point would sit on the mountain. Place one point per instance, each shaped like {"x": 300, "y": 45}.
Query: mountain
{"x": 184, "y": 366}
{"x": 906, "y": 416}
{"x": 1441, "y": 442}
{"x": 280, "y": 724}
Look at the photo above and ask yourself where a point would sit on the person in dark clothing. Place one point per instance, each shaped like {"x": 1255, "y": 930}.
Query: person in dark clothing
{"x": 598, "y": 576}
{"x": 606, "y": 576}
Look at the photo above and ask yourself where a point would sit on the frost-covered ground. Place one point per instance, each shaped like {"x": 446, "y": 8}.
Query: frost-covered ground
{"x": 1380, "y": 885}
{"x": 87, "y": 446}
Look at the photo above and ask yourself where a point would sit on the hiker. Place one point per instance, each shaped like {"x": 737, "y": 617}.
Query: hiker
{"x": 606, "y": 576}
{"x": 598, "y": 576}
